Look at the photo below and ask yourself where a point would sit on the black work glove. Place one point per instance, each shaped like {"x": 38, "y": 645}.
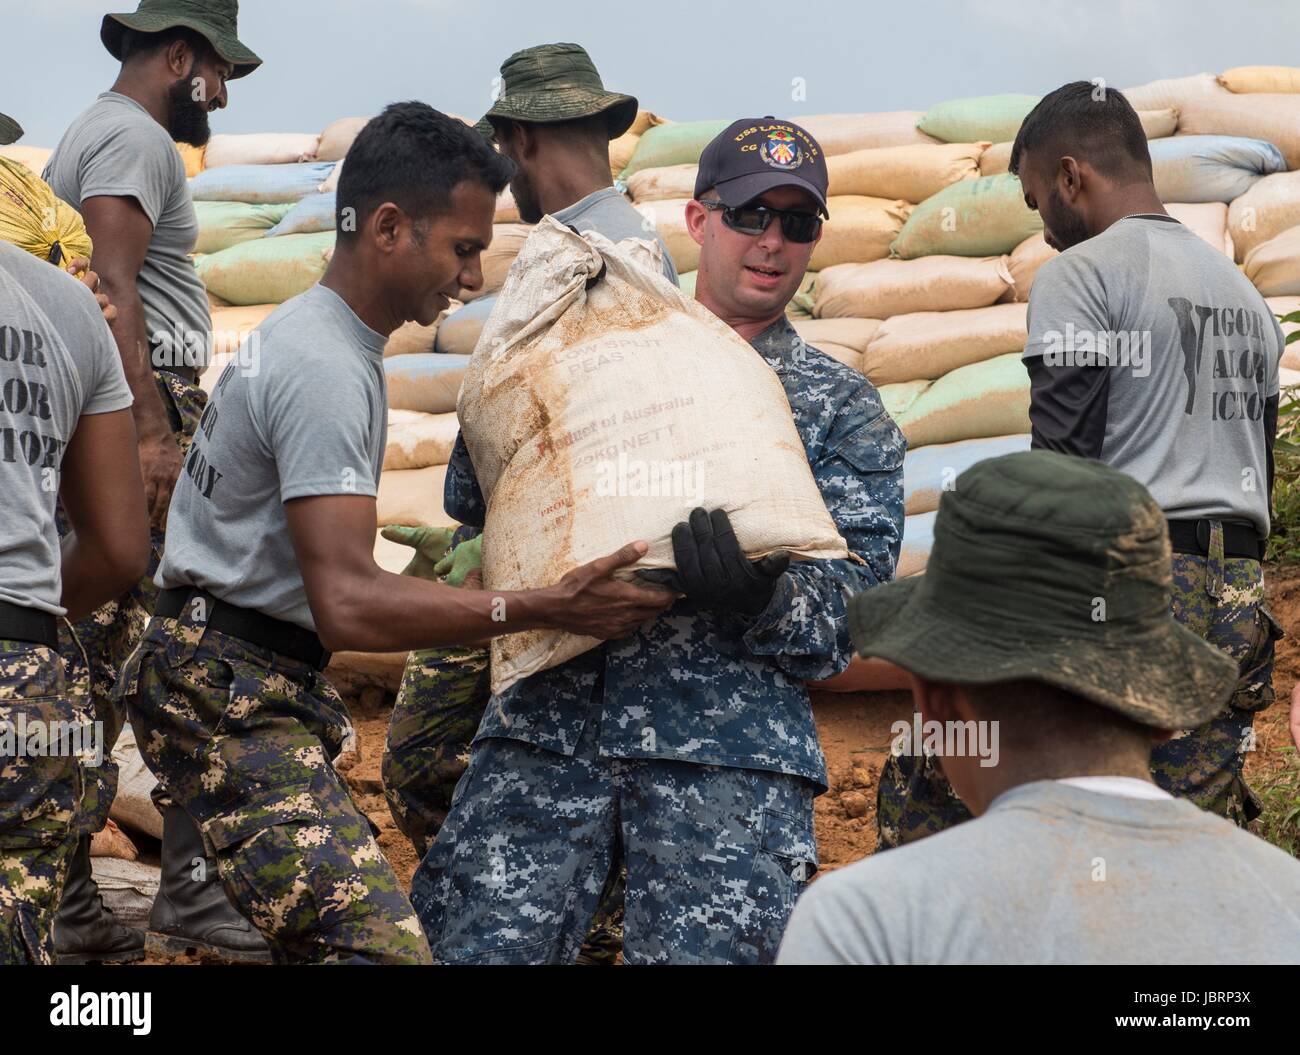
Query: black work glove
{"x": 714, "y": 572}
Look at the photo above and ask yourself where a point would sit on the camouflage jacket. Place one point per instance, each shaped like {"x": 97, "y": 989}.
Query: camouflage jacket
{"x": 718, "y": 688}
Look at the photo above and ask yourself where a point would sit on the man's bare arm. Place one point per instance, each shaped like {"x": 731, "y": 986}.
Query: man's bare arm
{"x": 359, "y": 606}
{"x": 121, "y": 232}
{"x": 101, "y": 493}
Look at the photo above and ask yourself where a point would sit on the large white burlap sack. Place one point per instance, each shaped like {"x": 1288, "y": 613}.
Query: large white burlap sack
{"x": 595, "y": 388}
{"x": 859, "y": 230}
{"x": 1208, "y": 220}
{"x": 661, "y": 184}
{"x": 911, "y": 172}
{"x": 1267, "y": 209}
{"x": 1024, "y": 262}
{"x": 1274, "y": 266}
{"x": 417, "y": 441}
{"x": 926, "y": 345}
{"x": 883, "y": 288}
{"x": 497, "y": 258}
{"x": 982, "y": 399}
{"x": 261, "y": 148}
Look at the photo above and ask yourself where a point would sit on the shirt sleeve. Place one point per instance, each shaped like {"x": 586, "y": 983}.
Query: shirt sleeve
{"x": 131, "y": 163}
{"x": 804, "y": 629}
{"x": 1067, "y": 407}
{"x": 318, "y": 425}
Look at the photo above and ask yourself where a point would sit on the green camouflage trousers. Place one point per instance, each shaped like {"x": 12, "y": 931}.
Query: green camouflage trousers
{"x": 1222, "y": 601}
{"x": 440, "y": 704}
{"x": 94, "y": 648}
{"x": 244, "y": 739}
{"x": 40, "y": 786}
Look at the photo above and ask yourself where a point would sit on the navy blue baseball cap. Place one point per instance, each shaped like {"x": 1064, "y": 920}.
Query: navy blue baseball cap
{"x": 752, "y": 156}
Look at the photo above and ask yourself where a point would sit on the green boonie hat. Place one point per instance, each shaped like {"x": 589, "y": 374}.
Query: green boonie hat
{"x": 214, "y": 19}
{"x": 10, "y": 131}
{"x": 556, "y": 82}
{"x": 1055, "y": 569}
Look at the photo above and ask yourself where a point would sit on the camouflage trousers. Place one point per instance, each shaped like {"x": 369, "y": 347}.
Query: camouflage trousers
{"x": 40, "y": 786}
{"x": 94, "y": 648}
{"x": 244, "y": 739}
{"x": 440, "y": 704}
{"x": 1222, "y": 601}
{"x": 715, "y": 857}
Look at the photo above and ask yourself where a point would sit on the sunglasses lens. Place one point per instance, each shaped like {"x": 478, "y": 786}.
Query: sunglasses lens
{"x": 800, "y": 227}
{"x": 747, "y": 220}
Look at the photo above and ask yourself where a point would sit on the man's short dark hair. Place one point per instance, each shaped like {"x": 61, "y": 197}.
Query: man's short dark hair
{"x": 1089, "y": 122}
{"x": 415, "y": 156}
{"x": 136, "y": 44}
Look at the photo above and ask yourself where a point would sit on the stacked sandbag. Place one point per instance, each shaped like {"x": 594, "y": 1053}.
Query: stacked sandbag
{"x": 927, "y": 345}
{"x": 974, "y": 217}
{"x": 843, "y": 133}
{"x": 1024, "y": 262}
{"x": 230, "y": 329}
{"x": 1274, "y": 266}
{"x": 676, "y": 143}
{"x": 929, "y": 471}
{"x": 458, "y": 333}
{"x": 495, "y": 261}
{"x": 662, "y": 184}
{"x": 262, "y": 148}
{"x": 417, "y": 440}
{"x": 413, "y": 339}
{"x": 993, "y": 118}
{"x": 860, "y": 229}
{"x": 1270, "y": 206}
{"x": 226, "y": 223}
{"x": 912, "y": 173}
{"x": 982, "y": 399}
{"x": 1245, "y": 79}
{"x": 882, "y": 288}
{"x": 841, "y": 339}
{"x": 413, "y": 497}
{"x": 337, "y": 138}
{"x": 260, "y": 184}
{"x": 1198, "y": 168}
{"x": 427, "y": 383}
{"x": 1207, "y": 220}
{"x": 669, "y": 219}
{"x": 313, "y": 214}
{"x": 622, "y": 148}
{"x": 267, "y": 270}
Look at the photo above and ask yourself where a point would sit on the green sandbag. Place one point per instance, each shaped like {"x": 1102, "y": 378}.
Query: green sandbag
{"x": 680, "y": 143}
{"x": 992, "y": 118}
{"x": 972, "y": 402}
{"x": 267, "y": 270}
{"x": 226, "y": 223}
{"x": 973, "y": 217}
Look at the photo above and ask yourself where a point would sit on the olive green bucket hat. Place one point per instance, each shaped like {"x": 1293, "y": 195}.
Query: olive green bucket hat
{"x": 1055, "y": 569}
{"x": 10, "y": 131}
{"x": 214, "y": 19}
{"x": 557, "y": 82}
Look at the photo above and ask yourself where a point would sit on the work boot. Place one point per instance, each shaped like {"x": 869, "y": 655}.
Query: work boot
{"x": 195, "y": 915}
{"x": 85, "y": 929}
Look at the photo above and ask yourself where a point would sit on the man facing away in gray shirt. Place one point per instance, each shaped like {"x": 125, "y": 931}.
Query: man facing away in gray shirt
{"x": 1045, "y": 664}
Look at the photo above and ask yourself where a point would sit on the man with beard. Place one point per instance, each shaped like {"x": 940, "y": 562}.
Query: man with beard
{"x": 118, "y": 165}
{"x": 554, "y": 120}
{"x": 1149, "y": 351}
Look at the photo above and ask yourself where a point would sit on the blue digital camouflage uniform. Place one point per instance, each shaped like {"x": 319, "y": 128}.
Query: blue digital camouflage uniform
{"x": 39, "y": 792}
{"x": 1222, "y": 601}
{"x": 687, "y": 750}
{"x": 94, "y": 648}
{"x": 244, "y": 739}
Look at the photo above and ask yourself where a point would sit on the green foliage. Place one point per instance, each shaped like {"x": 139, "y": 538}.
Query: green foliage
{"x": 1284, "y": 542}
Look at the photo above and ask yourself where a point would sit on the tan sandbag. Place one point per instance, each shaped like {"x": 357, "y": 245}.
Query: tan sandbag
{"x": 900, "y": 398}
{"x": 842, "y": 133}
{"x": 426, "y": 383}
{"x": 842, "y": 353}
{"x": 593, "y": 417}
{"x": 412, "y": 497}
{"x": 1172, "y": 93}
{"x": 1208, "y": 220}
{"x": 417, "y": 441}
{"x": 133, "y": 806}
{"x": 853, "y": 334}
{"x": 507, "y": 238}
{"x": 34, "y": 158}
{"x": 1159, "y": 124}
{"x": 411, "y": 339}
{"x": 660, "y": 184}
{"x": 338, "y": 137}
{"x": 111, "y": 841}
{"x": 1281, "y": 307}
{"x": 886, "y": 287}
{"x": 215, "y": 302}
{"x": 669, "y": 219}
{"x": 1244, "y": 79}
{"x": 926, "y": 345}
{"x": 860, "y": 230}
{"x": 507, "y": 210}
{"x": 260, "y": 148}
{"x": 231, "y": 326}
{"x": 982, "y": 399}
{"x": 1270, "y": 206}
{"x": 996, "y": 159}
{"x": 1274, "y": 266}
{"x": 912, "y": 172}
{"x": 1024, "y": 262}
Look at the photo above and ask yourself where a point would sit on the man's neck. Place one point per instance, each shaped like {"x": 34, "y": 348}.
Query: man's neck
{"x": 1134, "y": 201}
{"x": 746, "y": 328}
{"x": 347, "y": 278}
{"x": 139, "y": 90}
{"x": 570, "y": 187}
{"x": 1012, "y": 771}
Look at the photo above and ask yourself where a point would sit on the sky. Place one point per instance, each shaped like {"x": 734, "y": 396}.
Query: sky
{"x": 684, "y": 59}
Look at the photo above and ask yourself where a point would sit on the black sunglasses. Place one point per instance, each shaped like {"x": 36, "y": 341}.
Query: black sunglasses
{"x": 754, "y": 219}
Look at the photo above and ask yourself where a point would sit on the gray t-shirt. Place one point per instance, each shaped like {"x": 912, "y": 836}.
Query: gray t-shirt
{"x": 1056, "y": 874}
{"x": 302, "y": 410}
{"x": 1194, "y": 354}
{"x": 616, "y": 218}
{"x": 57, "y": 362}
{"x": 116, "y": 149}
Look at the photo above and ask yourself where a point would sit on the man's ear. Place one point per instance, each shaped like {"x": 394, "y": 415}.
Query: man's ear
{"x": 179, "y": 58}
{"x": 696, "y": 217}
{"x": 933, "y": 699}
{"x": 1070, "y": 175}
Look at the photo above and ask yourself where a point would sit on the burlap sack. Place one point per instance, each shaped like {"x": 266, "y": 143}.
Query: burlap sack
{"x": 926, "y": 345}
{"x": 883, "y": 288}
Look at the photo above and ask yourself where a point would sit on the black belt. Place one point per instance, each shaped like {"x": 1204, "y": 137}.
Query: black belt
{"x": 28, "y": 624}
{"x": 1193, "y": 536}
{"x": 249, "y": 625}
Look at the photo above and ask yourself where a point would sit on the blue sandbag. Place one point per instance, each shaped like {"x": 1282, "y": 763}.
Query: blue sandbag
{"x": 315, "y": 213}
{"x": 426, "y": 382}
{"x": 929, "y": 471}
{"x": 260, "y": 184}
{"x": 1210, "y": 168}
{"x": 459, "y": 331}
